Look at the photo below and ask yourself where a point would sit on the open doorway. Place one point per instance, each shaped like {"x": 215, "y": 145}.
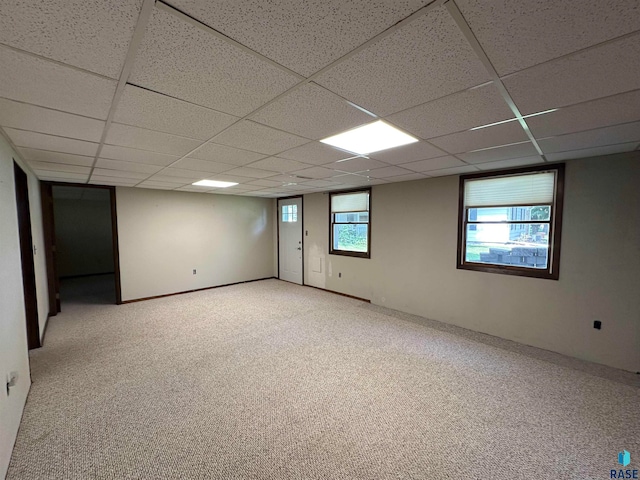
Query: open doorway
{"x": 26, "y": 257}
{"x": 82, "y": 244}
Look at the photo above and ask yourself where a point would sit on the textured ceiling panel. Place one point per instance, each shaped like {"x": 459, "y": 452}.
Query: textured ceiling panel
{"x": 316, "y": 153}
{"x": 517, "y": 34}
{"x": 407, "y": 178}
{"x": 114, "y": 152}
{"x": 43, "y": 120}
{"x": 408, "y": 153}
{"x": 598, "y": 72}
{"x": 383, "y": 77}
{"x": 593, "y": 152}
{"x": 105, "y": 172}
{"x": 62, "y": 176}
{"x": 90, "y": 34}
{"x": 315, "y": 173}
{"x": 628, "y": 132}
{"x": 59, "y": 167}
{"x": 251, "y": 172}
{"x": 113, "y": 181}
{"x": 155, "y": 111}
{"x": 277, "y": 164}
{"x": 258, "y": 138}
{"x": 595, "y": 114}
{"x": 40, "y": 141}
{"x": 33, "y": 80}
{"x": 386, "y": 172}
{"x": 434, "y": 164}
{"x": 303, "y": 38}
{"x": 127, "y": 166}
{"x": 134, "y": 137}
{"x": 214, "y": 152}
{"x": 502, "y": 134}
{"x": 515, "y": 162}
{"x": 182, "y": 60}
{"x": 359, "y": 164}
{"x": 55, "y": 157}
{"x": 203, "y": 165}
{"x": 454, "y": 113}
{"x": 520, "y": 150}
{"x": 453, "y": 171}
{"x": 312, "y": 112}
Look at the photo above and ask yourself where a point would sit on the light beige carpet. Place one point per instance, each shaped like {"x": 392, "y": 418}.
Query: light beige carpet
{"x": 269, "y": 380}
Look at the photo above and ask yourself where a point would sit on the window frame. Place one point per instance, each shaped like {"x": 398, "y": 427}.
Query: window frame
{"x": 552, "y": 272}
{"x": 348, "y": 253}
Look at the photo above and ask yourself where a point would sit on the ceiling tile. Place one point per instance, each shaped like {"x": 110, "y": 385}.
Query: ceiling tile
{"x": 315, "y": 172}
{"x": 628, "y": 132}
{"x": 188, "y": 175}
{"x": 312, "y": 112}
{"x": 593, "y": 152}
{"x": 43, "y": 120}
{"x": 93, "y": 35}
{"x": 155, "y": 111}
{"x": 156, "y": 186}
{"x": 59, "y": 167}
{"x": 264, "y": 183}
{"x": 112, "y": 181}
{"x": 214, "y": 152}
{"x": 434, "y": 164}
{"x": 525, "y": 149}
{"x": 127, "y": 166}
{"x": 251, "y": 172}
{"x": 407, "y": 178}
{"x": 143, "y": 139}
{"x": 161, "y": 179}
{"x": 598, "y": 72}
{"x": 453, "y": 171}
{"x": 203, "y": 165}
{"x": 466, "y": 141}
{"x": 61, "y": 176}
{"x": 358, "y": 164}
{"x": 277, "y": 164}
{"x": 22, "y": 138}
{"x": 303, "y": 39}
{"x": 382, "y": 78}
{"x": 389, "y": 172}
{"x": 103, "y": 172}
{"x": 454, "y": 113}
{"x": 187, "y": 62}
{"x": 408, "y": 153}
{"x": 34, "y": 80}
{"x": 114, "y": 152}
{"x": 316, "y": 153}
{"x": 55, "y": 157}
{"x": 514, "y": 162}
{"x": 191, "y": 188}
{"x": 228, "y": 177}
{"x": 318, "y": 183}
{"x": 517, "y": 34}
{"x": 258, "y": 138}
{"x": 285, "y": 178}
{"x": 242, "y": 188}
{"x": 585, "y": 116}
{"x": 355, "y": 180}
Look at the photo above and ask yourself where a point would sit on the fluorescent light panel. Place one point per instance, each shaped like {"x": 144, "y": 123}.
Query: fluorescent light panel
{"x": 214, "y": 183}
{"x": 369, "y": 138}
{"x": 513, "y": 119}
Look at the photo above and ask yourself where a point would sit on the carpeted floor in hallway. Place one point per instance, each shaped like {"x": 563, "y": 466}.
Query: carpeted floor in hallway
{"x": 270, "y": 380}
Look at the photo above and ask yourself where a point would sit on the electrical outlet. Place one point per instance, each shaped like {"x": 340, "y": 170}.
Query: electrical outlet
{"x": 194, "y": 271}
{"x": 339, "y": 274}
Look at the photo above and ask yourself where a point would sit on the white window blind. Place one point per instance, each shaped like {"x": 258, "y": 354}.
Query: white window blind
{"x": 528, "y": 189}
{"x": 350, "y": 202}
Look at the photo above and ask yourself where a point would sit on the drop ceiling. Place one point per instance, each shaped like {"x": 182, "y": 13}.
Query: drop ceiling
{"x": 160, "y": 94}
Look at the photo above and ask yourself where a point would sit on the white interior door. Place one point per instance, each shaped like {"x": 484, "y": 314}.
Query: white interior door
{"x": 290, "y": 239}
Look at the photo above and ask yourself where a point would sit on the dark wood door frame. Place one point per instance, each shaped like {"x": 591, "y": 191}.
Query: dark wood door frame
{"x": 26, "y": 257}
{"x": 49, "y": 233}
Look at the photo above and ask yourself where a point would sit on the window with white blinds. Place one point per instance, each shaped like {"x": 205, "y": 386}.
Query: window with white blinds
{"x": 349, "y": 218}
{"x": 510, "y": 221}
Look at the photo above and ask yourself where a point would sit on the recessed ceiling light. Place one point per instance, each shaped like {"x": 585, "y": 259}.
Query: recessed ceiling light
{"x": 372, "y": 137}
{"x": 214, "y": 183}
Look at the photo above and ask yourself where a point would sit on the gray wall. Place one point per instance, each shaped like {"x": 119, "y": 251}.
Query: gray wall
{"x": 84, "y": 241}
{"x": 413, "y": 264}
{"x": 164, "y": 235}
{"x": 13, "y": 333}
